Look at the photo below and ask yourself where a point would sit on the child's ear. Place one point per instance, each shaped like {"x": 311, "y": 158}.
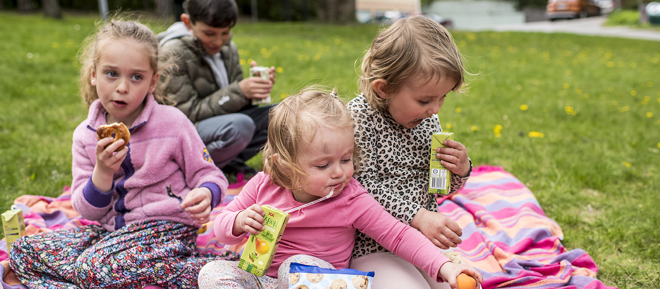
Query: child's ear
{"x": 275, "y": 156}
{"x": 93, "y": 75}
{"x": 186, "y": 20}
{"x": 153, "y": 83}
{"x": 380, "y": 86}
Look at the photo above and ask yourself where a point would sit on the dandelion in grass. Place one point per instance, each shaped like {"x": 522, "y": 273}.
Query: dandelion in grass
{"x": 283, "y": 95}
{"x": 649, "y": 114}
{"x": 337, "y": 41}
{"x": 649, "y": 84}
{"x": 448, "y": 126}
{"x": 474, "y": 128}
{"x": 586, "y": 95}
{"x": 610, "y": 89}
{"x": 498, "y": 130}
{"x": 633, "y": 92}
{"x": 524, "y": 107}
{"x": 646, "y": 100}
{"x": 627, "y": 164}
{"x": 536, "y": 134}
{"x": 568, "y": 72}
{"x": 578, "y": 91}
{"x": 458, "y": 110}
{"x": 566, "y": 85}
{"x": 471, "y": 36}
{"x": 250, "y": 60}
{"x": 633, "y": 65}
{"x": 317, "y": 57}
{"x": 659, "y": 145}
{"x": 242, "y": 61}
{"x": 608, "y": 55}
{"x": 55, "y": 45}
{"x": 280, "y": 70}
{"x": 610, "y": 64}
{"x": 570, "y": 111}
{"x": 624, "y": 109}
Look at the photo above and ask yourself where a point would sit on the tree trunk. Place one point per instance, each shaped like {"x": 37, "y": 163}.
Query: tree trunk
{"x": 164, "y": 8}
{"x": 346, "y": 11}
{"x": 336, "y": 11}
{"x": 25, "y": 6}
{"x": 52, "y": 8}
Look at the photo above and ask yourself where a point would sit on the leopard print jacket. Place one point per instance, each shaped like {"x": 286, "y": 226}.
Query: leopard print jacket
{"x": 394, "y": 166}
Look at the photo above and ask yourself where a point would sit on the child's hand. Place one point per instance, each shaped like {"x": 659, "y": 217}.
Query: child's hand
{"x": 250, "y": 220}
{"x": 454, "y": 157}
{"x": 198, "y": 205}
{"x": 449, "y": 271}
{"x": 441, "y": 230}
{"x": 271, "y": 72}
{"x": 107, "y": 162}
{"x": 256, "y": 87}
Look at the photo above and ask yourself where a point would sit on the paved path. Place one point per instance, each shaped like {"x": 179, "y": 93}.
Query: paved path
{"x": 585, "y": 26}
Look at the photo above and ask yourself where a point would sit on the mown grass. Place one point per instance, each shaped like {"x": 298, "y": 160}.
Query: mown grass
{"x": 595, "y": 101}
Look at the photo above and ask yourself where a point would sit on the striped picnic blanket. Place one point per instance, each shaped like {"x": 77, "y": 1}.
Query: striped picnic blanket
{"x": 506, "y": 234}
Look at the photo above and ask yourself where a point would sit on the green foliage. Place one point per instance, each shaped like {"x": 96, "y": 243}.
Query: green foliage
{"x": 623, "y": 18}
{"x": 594, "y": 100}
{"x": 294, "y": 10}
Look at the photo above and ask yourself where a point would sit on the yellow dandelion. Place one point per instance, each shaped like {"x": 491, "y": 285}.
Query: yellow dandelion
{"x": 610, "y": 64}
{"x": 610, "y": 89}
{"x": 659, "y": 145}
{"x": 568, "y": 72}
{"x": 283, "y": 95}
{"x": 280, "y": 70}
{"x": 578, "y": 91}
{"x": 498, "y": 130}
{"x": 586, "y": 95}
{"x": 337, "y": 41}
{"x": 658, "y": 99}
{"x": 633, "y": 92}
{"x": 633, "y": 65}
{"x": 569, "y": 110}
{"x": 649, "y": 84}
{"x": 536, "y": 134}
{"x": 624, "y": 109}
{"x": 566, "y": 85}
{"x": 615, "y": 102}
{"x": 264, "y": 51}
{"x": 627, "y": 164}
{"x": 608, "y": 55}
{"x": 448, "y": 126}
{"x": 474, "y": 128}
{"x": 524, "y": 107}
{"x": 242, "y": 61}
{"x": 649, "y": 114}
{"x": 56, "y": 45}
{"x": 317, "y": 57}
{"x": 250, "y": 60}
{"x": 458, "y": 110}
{"x": 471, "y": 36}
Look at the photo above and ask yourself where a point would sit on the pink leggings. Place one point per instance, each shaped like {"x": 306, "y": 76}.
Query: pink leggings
{"x": 394, "y": 272}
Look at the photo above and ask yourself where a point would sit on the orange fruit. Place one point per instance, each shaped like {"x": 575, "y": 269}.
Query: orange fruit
{"x": 261, "y": 246}
{"x": 466, "y": 281}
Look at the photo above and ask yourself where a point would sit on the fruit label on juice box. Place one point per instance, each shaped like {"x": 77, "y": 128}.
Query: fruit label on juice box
{"x": 260, "y": 249}
{"x": 439, "y": 176}
{"x": 260, "y": 71}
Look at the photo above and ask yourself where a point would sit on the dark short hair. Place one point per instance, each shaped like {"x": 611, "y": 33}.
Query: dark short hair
{"x": 215, "y": 13}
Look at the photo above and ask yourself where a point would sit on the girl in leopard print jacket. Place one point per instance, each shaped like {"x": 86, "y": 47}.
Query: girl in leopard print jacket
{"x": 406, "y": 76}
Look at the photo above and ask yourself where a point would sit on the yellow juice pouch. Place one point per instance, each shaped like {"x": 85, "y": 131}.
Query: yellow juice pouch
{"x": 260, "y": 249}
{"x": 13, "y": 225}
{"x": 439, "y": 176}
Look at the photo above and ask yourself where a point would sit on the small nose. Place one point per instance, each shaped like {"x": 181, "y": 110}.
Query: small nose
{"x": 434, "y": 109}
{"x": 338, "y": 172}
{"x": 123, "y": 86}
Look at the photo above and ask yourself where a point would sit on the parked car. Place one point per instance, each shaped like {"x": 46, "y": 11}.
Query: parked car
{"x": 557, "y": 9}
{"x": 606, "y": 6}
{"x": 447, "y": 23}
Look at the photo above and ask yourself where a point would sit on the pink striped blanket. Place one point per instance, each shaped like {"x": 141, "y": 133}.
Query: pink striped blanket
{"x": 506, "y": 234}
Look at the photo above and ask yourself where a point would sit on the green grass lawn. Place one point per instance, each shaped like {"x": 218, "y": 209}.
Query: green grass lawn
{"x": 576, "y": 118}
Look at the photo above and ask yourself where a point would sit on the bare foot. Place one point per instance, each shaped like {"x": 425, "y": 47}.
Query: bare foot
{"x": 9, "y": 278}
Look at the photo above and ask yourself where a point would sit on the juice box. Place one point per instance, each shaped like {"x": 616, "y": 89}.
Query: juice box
{"x": 439, "y": 176}
{"x": 260, "y": 249}
{"x": 13, "y": 225}
{"x": 260, "y": 71}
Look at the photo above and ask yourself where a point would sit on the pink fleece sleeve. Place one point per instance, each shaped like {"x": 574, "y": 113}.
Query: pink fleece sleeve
{"x": 193, "y": 161}
{"x": 368, "y": 216}
{"x": 224, "y": 222}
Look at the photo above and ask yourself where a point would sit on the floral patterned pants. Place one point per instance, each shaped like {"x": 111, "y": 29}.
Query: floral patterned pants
{"x": 146, "y": 253}
{"x": 226, "y": 274}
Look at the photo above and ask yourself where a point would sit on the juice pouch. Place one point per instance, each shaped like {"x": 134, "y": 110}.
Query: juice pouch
{"x": 260, "y": 249}
{"x": 13, "y": 225}
{"x": 439, "y": 176}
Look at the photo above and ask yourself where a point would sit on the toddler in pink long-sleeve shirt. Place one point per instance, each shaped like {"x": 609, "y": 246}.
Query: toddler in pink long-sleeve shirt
{"x": 309, "y": 159}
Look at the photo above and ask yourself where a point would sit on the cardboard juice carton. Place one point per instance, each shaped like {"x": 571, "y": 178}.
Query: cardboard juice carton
{"x": 260, "y": 71}
{"x": 260, "y": 249}
{"x": 439, "y": 176}
{"x": 13, "y": 225}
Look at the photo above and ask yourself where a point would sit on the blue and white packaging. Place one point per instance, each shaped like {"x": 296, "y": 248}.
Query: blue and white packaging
{"x": 313, "y": 277}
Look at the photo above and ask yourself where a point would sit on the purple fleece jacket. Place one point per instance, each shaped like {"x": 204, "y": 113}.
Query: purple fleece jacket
{"x": 166, "y": 159}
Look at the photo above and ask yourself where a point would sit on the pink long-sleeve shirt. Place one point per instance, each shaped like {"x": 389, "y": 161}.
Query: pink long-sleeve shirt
{"x": 326, "y": 230}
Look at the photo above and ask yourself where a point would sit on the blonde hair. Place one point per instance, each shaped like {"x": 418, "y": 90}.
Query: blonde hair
{"x": 293, "y": 125}
{"x": 411, "y": 47}
{"x": 115, "y": 30}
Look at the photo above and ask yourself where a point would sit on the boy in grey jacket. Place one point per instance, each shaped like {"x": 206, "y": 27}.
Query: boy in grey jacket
{"x": 207, "y": 84}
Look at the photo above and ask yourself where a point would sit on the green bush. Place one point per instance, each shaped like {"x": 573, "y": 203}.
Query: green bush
{"x": 623, "y": 18}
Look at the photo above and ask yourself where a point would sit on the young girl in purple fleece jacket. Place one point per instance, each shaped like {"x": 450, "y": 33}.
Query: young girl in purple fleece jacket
{"x": 150, "y": 198}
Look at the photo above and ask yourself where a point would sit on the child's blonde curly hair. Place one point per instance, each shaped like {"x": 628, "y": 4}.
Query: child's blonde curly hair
{"x": 293, "y": 125}
{"x": 412, "y": 47}
{"x": 113, "y": 31}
